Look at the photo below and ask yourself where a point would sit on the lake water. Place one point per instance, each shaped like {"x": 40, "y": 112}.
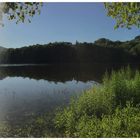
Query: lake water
{"x": 27, "y": 90}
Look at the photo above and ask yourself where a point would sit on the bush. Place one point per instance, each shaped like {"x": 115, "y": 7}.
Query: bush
{"x": 122, "y": 123}
{"x": 103, "y": 111}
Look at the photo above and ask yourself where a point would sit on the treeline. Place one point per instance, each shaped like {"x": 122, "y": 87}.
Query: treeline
{"x": 102, "y": 50}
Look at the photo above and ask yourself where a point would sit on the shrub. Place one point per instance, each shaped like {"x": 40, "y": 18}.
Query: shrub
{"x": 122, "y": 123}
{"x": 103, "y": 110}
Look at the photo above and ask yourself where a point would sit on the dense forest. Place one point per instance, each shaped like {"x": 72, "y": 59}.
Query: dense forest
{"x": 102, "y": 50}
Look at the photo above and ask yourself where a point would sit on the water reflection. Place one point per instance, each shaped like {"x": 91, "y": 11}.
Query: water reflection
{"x": 34, "y": 89}
{"x": 62, "y": 73}
{"x": 25, "y": 91}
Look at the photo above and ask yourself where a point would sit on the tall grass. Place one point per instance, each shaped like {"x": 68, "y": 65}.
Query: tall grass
{"x": 109, "y": 110}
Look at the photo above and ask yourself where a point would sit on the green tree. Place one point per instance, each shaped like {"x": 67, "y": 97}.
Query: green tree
{"x": 126, "y": 14}
{"x": 19, "y": 11}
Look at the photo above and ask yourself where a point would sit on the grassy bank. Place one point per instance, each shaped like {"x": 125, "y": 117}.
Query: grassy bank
{"x": 109, "y": 110}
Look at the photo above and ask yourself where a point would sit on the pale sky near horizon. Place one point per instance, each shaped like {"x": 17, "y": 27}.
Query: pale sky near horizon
{"x": 84, "y": 22}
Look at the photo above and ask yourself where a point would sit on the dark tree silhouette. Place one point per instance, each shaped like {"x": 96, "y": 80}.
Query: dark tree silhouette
{"x": 102, "y": 50}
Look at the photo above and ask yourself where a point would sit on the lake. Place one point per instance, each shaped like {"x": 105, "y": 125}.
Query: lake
{"x": 28, "y": 90}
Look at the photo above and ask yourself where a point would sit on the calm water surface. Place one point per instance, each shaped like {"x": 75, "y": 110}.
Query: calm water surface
{"x": 21, "y": 97}
{"x": 27, "y": 90}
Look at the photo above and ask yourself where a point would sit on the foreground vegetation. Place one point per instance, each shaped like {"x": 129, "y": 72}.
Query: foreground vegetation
{"x": 109, "y": 110}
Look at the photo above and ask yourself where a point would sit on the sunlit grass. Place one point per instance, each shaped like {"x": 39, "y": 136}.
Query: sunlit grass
{"x": 109, "y": 110}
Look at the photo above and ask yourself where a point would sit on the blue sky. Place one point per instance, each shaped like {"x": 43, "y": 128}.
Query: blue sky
{"x": 84, "y": 22}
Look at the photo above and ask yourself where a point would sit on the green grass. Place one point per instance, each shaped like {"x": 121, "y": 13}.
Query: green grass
{"x": 108, "y": 110}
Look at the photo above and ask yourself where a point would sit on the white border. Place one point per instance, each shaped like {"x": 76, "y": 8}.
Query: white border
{"x": 69, "y": 1}
{"x": 71, "y": 138}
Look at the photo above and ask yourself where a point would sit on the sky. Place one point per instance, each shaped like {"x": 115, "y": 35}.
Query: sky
{"x": 84, "y": 22}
